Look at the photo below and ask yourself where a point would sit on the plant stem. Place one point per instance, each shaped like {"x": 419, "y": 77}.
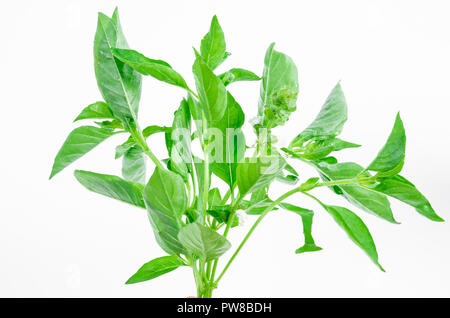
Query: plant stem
{"x": 266, "y": 211}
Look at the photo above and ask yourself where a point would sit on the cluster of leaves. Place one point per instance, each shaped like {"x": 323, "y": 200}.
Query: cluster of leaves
{"x": 185, "y": 211}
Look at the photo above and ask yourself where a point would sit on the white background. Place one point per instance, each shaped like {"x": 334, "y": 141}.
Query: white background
{"x": 59, "y": 240}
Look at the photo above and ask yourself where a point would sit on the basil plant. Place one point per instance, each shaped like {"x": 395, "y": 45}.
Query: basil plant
{"x": 189, "y": 211}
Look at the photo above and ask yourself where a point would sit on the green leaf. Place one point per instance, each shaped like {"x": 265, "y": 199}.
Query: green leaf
{"x": 119, "y": 84}
{"x": 214, "y": 197}
{"x": 233, "y": 141}
{"x": 307, "y": 220}
{"x": 279, "y": 88}
{"x": 153, "y": 129}
{"x": 252, "y": 175}
{"x": 111, "y": 186}
{"x": 363, "y": 198}
{"x": 401, "y": 189}
{"x": 134, "y": 165}
{"x": 356, "y": 230}
{"x": 202, "y": 242}
{"x": 97, "y": 110}
{"x": 200, "y": 171}
{"x": 309, "y": 184}
{"x": 156, "y": 267}
{"x": 79, "y": 142}
{"x": 318, "y": 149}
{"x": 259, "y": 202}
{"x": 330, "y": 120}
{"x": 166, "y": 200}
{"x": 179, "y": 143}
{"x": 391, "y": 157}
{"x": 112, "y": 124}
{"x": 237, "y": 75}
{"x": 222, "y": 213}
{"x": 155, "y": 68}
{"x": 212, "y": 93}
{"x": 213, "y": 47}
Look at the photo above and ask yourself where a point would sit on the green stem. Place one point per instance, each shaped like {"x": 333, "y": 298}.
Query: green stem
{"x": 266, "y": 211}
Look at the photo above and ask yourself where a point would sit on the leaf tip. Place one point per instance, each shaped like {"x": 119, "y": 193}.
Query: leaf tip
{"x": 381, "y": 267}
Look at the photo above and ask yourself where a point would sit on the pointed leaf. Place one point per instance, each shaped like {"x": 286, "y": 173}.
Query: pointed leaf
{"x": 390, "y": 159}
{"x": 330, "y": 120}
{"x": 212, "y": 93}
{"x": 111, "y": 186}
{"x": 202, "y": 242}
{"x": 166, "y": 200}
{"x": 356, "y": 230}
{"x": 79, "y": 142}
{"x": 155, "y": 68}
{"x": 156, "y": 267}
{"x": 134, "y": 165}
{"x": 119, "y": 84}
{"x": 213, "y": 46}
{"x": 233, "y": 141}
{"x": 237, "y": 75}
{"x": 362, "y": 197}
{"x": 401, "y": 189}
{"x": 97, "y": 110}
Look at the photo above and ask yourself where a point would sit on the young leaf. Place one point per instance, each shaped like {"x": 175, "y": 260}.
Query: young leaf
{"x": 166, "y": 200}
{"x": 356, "y": 230}
{"x": 155, "y": 68}
{"x": 129, "y": 143}
{"x": 134, "y": 165}
{"x": 212, "y": 93}
{"x": 364, "y": 198}
{"x": 202, "y": 242}
{"x": 111, "y": 186}
{"x": 330, "y": 120}
{"x": 309, "y": 184}
{"x": 307, "y": 220}
{"x": 79, "y": 142}
{"x": 237, "y": 75}
{"x": 119, "y": 84}
{"x": 318, "y": 149}
{"x": 252, "y": 176}
{"x": 214, "y": 197}
{"x": 156, "y": 267}
{"x": 401, "y": 189}
{"x": 213, "y": 47}
{"x": 97, "y": 110}
{"x": 222, "y": 213}
{"x": 111, "y": 124}
{"x": 391, "y": 157}
{"x": 279, "y": 88}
